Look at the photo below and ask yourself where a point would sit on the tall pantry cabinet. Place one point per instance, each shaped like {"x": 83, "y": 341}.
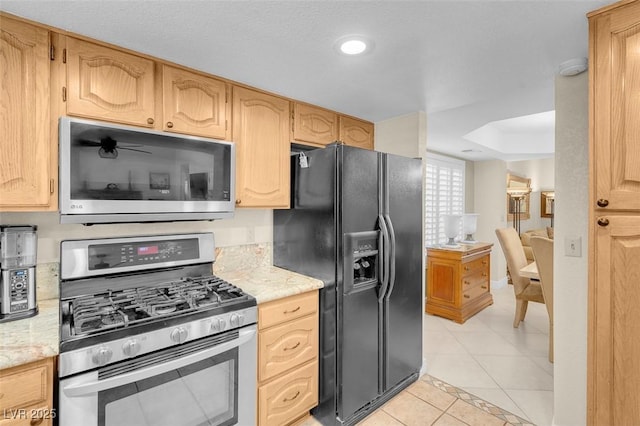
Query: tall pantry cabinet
{"x": 614, "y": 230}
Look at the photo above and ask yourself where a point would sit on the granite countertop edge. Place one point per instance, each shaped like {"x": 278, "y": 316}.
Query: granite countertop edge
{"x": 32, "y": 339}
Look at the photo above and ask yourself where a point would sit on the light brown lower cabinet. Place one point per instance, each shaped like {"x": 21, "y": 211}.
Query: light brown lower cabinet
{"x": 287, "y": 359}
{"x": 26, "y": 394}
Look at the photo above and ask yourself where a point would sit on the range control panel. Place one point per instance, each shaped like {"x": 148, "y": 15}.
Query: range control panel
{"x": 117, "y": 255}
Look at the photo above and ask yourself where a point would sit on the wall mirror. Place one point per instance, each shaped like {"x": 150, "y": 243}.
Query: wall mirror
{"x": 518, "y": 192}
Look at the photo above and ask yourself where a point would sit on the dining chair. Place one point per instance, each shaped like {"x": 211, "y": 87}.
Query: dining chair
{"x": 524, "y": 289}
{"x": 543, "y": 254}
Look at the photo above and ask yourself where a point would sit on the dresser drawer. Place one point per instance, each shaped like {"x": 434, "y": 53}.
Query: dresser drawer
{"x": 473, "y": 266}
{"x": 279, "y": 311}
{"x": 287, "y": 346}
{"x": 474, "y": 292}
{"x": 474, "y": 280}
{"x": 25, "y": 386}
{"x": 288, "y": 397}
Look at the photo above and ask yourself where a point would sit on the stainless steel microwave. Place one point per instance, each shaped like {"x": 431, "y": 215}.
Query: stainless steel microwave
{"x": 111, "y": 173}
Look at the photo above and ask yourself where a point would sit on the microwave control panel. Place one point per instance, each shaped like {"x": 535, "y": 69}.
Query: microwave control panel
{"x": 117, "y": 255}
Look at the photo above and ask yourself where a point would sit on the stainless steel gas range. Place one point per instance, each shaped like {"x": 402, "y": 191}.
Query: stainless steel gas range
{"x": 150, "y": 337}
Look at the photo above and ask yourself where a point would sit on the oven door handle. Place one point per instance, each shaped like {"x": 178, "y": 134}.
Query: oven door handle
{"x": 93, "y": 387}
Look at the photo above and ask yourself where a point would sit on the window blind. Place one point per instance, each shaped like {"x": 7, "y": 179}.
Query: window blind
{"x": 444, "y": 194}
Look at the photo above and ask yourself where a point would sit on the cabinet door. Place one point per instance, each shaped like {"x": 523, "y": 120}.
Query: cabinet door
{"x": 261, "y": 134}
{"x": 108, "y": 84}
{"x": 25, "y": 133}
{"x": 313, "y": 125}
{"x": 615, "y": 322}
{"x": 615, "y": 72}
{"x": 356, "y": 132}
{"x": 193, "y": 103}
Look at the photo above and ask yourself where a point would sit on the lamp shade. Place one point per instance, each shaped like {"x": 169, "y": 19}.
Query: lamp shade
{"x": 469, "y": 226}
{"x": 451, "y": 227}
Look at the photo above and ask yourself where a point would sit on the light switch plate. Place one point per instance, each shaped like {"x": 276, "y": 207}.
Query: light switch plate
{"x": 573, "y": 246}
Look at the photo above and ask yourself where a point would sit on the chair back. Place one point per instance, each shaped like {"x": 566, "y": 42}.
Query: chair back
{"x": 516, "y": 259}
{"x": 543, "y": 254}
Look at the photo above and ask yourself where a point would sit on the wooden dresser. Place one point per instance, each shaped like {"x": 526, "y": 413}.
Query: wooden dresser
{"x": 458, "y": 282}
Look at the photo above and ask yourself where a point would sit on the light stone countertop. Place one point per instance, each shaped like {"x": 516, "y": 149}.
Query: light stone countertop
{"x": 267, "y": 283}
{"x": 31, "y": 339}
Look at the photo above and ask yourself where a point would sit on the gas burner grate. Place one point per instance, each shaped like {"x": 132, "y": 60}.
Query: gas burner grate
{"x": 122, "y": 308}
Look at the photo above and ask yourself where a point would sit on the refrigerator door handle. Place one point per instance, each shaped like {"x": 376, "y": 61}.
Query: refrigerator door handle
{"x": 392, "y": 256}
{"x": 384, "y": 254}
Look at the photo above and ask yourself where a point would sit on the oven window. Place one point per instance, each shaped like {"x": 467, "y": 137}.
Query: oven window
{"x": 203, "y": 393}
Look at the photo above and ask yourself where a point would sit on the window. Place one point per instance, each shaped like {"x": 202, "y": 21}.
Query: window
{"x": 444, "y": 194}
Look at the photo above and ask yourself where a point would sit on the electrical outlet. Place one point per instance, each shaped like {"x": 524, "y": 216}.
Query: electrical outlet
{"x": 573, "y": 246}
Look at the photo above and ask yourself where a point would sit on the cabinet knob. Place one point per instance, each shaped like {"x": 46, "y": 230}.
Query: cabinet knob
{"x": 466, "y": 282}
{"x": 483, "y": 286}
{"x": 292, "y": 398}
{"x": 466, "y": 296}
{"x": 602, "y": 202}
{"x": 238, "y": 201}
{"x": 36, "y": 421}
{"x": 603, "y": 221}
{"x": 150, "y": 120}
{"x": 169, "y": 124}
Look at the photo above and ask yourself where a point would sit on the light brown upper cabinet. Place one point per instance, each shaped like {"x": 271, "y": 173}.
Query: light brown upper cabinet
{"x": 356, "y": 132}
{"x": 27, "y": 178}
{"x": 194, "y": 103}
{"x": 314, "y": 126}
{"x": 614, "y": 230}
{"x": 109, "y": 84}
{"x": 261, "y": 134}
{"x": 615, "y": 66}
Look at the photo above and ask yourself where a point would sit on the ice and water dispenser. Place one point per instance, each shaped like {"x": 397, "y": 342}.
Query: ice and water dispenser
{"x": 361, "y": 261}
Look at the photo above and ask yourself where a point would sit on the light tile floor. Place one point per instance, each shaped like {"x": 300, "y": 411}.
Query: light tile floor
{"x": 483, "y": 372}
{"x": 487, "y": 357}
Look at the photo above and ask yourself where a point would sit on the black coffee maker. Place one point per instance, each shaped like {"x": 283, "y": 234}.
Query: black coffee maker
{"x": 18, "y": 244}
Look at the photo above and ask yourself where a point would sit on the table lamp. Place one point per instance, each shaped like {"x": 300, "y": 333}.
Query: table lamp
{"x": 469, "y": 226}
{"x": 451, "y": 228}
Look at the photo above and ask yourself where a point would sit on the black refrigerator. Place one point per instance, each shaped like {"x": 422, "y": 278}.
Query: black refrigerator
{"x": 355, "y": 223}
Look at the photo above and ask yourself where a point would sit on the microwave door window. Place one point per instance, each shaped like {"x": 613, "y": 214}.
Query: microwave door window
{"x": 111, "y": 164}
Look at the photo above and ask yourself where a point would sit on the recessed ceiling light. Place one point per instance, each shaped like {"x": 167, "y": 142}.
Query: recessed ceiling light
{"x": 353, "y": 45}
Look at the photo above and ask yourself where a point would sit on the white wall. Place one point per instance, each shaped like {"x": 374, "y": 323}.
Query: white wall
{"x": 404, "y": 135}
{"x": 490, "y": 187}
{"x": 542, "y": 176}
{"x": 249, "y": 226}
{"x": 570, "y": 273}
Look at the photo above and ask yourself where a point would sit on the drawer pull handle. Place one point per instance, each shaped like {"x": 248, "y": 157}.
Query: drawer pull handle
{"x": 292, "y": 398}
{"x": 150, "y": 120}
{"x": 602, "y": 202}
{"x": 603, "y": 221}
{"x": 483, "y": 286}
{"x": 466, "y": 282}
{"x": 466, "y": 296}
{"x": 484, "y": 274}
{"x": 169, "y": 124}
{"x": 36, "y": 421}
{"x": 292, "y": 347}
{"x": 466, "y": 268}
{"x": 292, "y": 311}
{"x": 484, "y": 262}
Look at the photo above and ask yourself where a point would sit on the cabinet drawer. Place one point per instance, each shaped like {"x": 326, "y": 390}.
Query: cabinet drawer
{"x": 287, "y": 346}
{"x": 279, "y": 311}
{"x": 473, "y": 280}
{"x": 287, "y": 398}
{"x": 481, "y": 264}
{"x": 23, "y": 387}
{"x": 475, "y": 292}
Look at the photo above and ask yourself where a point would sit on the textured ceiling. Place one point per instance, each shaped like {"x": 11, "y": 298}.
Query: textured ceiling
{"x": 465, "y": 63}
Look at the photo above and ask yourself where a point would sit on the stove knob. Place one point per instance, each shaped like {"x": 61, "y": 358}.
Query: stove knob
{"x": 223, "y": 324}
{"x": 236, "y": 320}
{"x": 179, "y": 335}
{"x": 131, "y": 347}
{"x": 216, "y": 324}
{"x": 102, "y": 355}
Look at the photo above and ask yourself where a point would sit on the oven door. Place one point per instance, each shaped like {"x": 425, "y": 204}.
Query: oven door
{"x": 210, "y": 381}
